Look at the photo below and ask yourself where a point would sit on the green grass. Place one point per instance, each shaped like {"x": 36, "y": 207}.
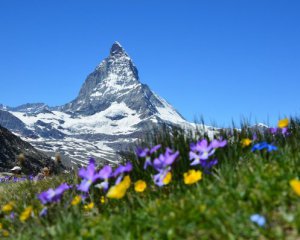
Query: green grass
{"x": 217, "y": 207}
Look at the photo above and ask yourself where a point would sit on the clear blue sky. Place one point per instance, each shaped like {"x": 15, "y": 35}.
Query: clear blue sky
{"x": 219, "y": 59}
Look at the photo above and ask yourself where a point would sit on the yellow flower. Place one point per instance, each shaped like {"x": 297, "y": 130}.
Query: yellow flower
{"x": 283, "y": 123}
{"x": 140, "y": 186}
{"x": 1, "y": 226}
{"x": 167, "y": 178}
{"x": 126, "y": 182}
{"x": 89, "y": 206}
{"x": 102, "y": 200}
{"x": 76, "y": 200}
{"x": 118, "y": 191}
{"x": 295, "y": 184}
{"x": 5, "y": 233}
{"x": 192, "y": 176}
{"x": 26, "y": 214}
{"x": 246, "y": 142}
{"x": 8, "y": 207}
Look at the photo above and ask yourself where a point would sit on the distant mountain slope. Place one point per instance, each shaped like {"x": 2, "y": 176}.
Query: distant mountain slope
{"x": 11, "y": 146}
{"x": 112, "y": 110}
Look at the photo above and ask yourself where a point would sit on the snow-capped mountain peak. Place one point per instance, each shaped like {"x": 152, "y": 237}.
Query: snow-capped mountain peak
{"x": 113, "y": 109}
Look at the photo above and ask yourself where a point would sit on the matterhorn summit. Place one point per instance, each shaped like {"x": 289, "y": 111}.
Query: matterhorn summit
{"x": 112, "y": 110}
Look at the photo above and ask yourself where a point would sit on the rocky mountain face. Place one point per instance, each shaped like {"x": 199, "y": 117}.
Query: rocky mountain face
{"x": 11, "y": 146}
{"x": 112, "y": 110}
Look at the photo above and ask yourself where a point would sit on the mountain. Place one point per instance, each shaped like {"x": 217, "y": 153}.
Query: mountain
{"x": 11, "y": 146}
{"x": 112, "y": 110}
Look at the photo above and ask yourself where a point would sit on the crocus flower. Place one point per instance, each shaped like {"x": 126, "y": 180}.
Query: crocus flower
{"x": 53, "y": 195}
{"x": 295, "y": 184}
{"x": 89, "y": 176}
{"x": 258, "y": 219}
{"x": 140, "y": 186}
{"x": 264, "y": 145}
{"x": 192, "y": 176}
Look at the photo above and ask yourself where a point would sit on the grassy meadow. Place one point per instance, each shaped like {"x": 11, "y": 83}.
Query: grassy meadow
{"x": 251, "y": 192}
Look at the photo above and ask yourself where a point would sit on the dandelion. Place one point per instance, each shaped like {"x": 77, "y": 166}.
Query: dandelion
{"x": 26, "y": 214}
{"x": 283, "y": 123}
{"x": 119, "y": 190}
{"x": 192, "y": 176}
{"x": 295, "y": 184}
{"x": 89, "y": 206}
{"x": 258, "y": 219}
{"x": 140, "y": 186}
{"x": 246, "y": 142}
{"x": 76, "y": 200}
{"x": 7, "y": 208}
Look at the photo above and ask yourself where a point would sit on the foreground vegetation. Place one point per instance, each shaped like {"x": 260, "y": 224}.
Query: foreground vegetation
{"x": 250, "y": 192}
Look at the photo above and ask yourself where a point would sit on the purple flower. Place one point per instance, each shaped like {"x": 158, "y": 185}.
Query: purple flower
{"x": 258, "y": 219}
{"x": 165, "y": 160}
{"x": 105, "y": 173}
{"x": 146, "y": 153}
{"x": 206, "y": 164}
{"x": 43, "y": 212}
{"x": 162, "y": 164}
{"x": 283, "y": 131}
{"x": 53, "y": 195}
{"x": 119, "y": 172}
{"x": 89, "y": 176}
{"x": 264, "y": 145}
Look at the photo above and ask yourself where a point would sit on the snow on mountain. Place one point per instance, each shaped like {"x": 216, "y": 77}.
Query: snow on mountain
{"x": 112, "y": 110}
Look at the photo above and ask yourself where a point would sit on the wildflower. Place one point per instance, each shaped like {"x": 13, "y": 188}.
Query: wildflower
{"x": 162, "y": 164}
{"x": 246, "y": 142}
{"x": 192, "y": 176}
{"x": 76, "y": 200}
{"x": 1, "y": 226}
{"x": 264, "y": 145}
{"x": 104, "y": 174}
{"x": 5, "y": 233}
{"x": 167, "y": 178}
{"x": 283, "y": 131}
{"x": 8, "y": 207}
{"x": 295, "y": 184}
{"x": 26, "y": 214}
{"x": 53, "y": 195}
{"x": 119, "y": 190}
{"x": 283, "y": 123}
{"x": 121, "y": 170}
{"x": 146, "y": 153}
{"x": 140, "y": 186}
{"x": 258, "y": 219}
{"x": 89, "y": 176}
{"x": 89, "y": 206}
{"x": 102, "y": 200}
{"x": 202, "y": 150}
{"x": 43, "y": 212}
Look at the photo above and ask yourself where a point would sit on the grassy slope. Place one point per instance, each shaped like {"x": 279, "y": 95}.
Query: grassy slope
{"x": 218, "y": 207}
